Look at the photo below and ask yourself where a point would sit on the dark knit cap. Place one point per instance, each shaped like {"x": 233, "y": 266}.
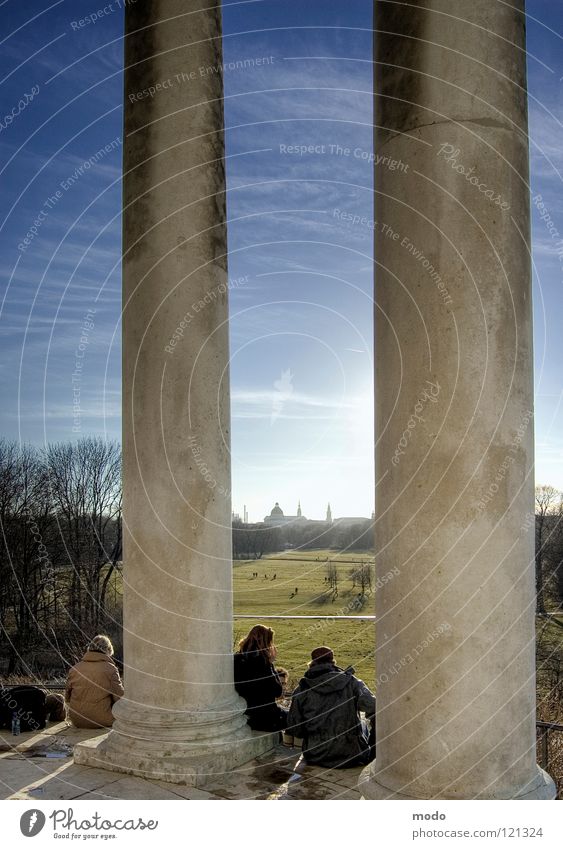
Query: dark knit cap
{"x": 322, "y": 654}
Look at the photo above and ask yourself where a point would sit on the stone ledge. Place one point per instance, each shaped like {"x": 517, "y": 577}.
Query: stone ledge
{"x": 192, "y": 769}
{"x": 541, "y": 787}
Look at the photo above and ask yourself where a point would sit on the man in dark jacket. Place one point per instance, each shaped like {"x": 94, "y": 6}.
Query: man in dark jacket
{"x": 325, "y": 713}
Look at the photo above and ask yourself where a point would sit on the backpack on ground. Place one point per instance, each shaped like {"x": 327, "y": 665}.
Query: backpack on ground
{"x": 29, "y": 705}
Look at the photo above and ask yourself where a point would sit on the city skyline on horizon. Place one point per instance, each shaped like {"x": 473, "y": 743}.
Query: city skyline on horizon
{"x": 238, "y": 513}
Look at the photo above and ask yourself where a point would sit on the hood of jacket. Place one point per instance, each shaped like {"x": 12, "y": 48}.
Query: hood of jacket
{"x": 96, "y": 656}
{"x": 326, "y": 678}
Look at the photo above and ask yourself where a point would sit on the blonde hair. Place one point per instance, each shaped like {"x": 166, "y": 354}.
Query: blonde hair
{"x": 259, "y": 639}
{"x": 102, "y": 644}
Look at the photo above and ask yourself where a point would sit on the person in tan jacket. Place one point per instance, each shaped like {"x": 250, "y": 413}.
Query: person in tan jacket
{"x": 93, "y": 686}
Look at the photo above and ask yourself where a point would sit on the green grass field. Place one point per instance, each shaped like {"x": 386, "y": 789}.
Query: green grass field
{"x": 352, "y": 640}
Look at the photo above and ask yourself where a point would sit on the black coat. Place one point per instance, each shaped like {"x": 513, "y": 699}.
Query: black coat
{"x": 325, "y": 714}
{"x": 257, "y": 681}
{"x": 27, "y": 702}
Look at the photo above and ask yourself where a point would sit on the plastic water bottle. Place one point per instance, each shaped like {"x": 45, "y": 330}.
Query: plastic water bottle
{"x": 16, "y": 729}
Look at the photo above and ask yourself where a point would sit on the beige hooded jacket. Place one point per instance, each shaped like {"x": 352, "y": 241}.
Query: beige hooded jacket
{"x": 93, "y": 686}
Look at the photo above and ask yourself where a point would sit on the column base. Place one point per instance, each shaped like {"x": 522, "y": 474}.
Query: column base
{"x": 541, "y": 787}
{"x": 169, "y": 747}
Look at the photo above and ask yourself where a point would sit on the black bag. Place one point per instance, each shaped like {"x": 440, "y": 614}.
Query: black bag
{"x": 27, "y": 702}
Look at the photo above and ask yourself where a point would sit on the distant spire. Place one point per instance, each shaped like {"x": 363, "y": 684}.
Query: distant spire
{"x": 299, "y": 509}
{"x": 329, "y": 514}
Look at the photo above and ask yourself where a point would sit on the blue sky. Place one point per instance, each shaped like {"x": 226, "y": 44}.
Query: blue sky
{"x": 301, "y": 330}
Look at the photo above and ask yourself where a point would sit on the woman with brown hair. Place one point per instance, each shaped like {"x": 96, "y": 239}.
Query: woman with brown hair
{"x": 258, "y": 681}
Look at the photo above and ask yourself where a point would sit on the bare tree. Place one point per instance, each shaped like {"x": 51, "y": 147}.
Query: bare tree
{"x": 116, "y": 554}
{"x": 26, "y": 565}
{"x": 361, "y": 576}
{"x": 332, "y": 577}
{"x": 552, "y": 553}
{"x": 548, "y": 500}
{"x": 253, "y": 541}
{"x": 556, "y": 553}
{"x": 84, "y": 481}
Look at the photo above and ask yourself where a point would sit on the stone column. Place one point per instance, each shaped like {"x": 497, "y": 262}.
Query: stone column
{"x": 181, "y": 718}
{"x": 454, "y": 401}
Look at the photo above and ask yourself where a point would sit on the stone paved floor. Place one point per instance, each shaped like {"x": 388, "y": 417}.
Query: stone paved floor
{"x": 30, "y": 770}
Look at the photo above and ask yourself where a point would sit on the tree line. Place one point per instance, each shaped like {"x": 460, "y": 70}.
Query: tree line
{"x": 548, "y": 521}
{"x": 60, "y": 511}
{"x": 251, "y": 541}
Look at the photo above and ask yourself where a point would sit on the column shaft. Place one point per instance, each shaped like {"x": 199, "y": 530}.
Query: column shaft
{"x": 180, "y": 718}
{"x": 454, "y": 406}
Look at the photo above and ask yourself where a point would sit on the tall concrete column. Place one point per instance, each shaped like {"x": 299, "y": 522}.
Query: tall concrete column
{"x": 454, "y": 406}
{"x": 181, "y": 718}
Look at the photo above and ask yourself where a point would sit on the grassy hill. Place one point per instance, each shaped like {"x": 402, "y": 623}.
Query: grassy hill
{"x": 351, "y": 639}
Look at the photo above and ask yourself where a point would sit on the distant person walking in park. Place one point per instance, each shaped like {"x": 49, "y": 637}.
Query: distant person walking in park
{"x": 325, "y": 710}
{"x": 93, "y": 686}
{"x": 258, "y": 681}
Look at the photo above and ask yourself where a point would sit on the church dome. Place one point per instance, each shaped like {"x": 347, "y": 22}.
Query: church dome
{"x": 276, "y": 510}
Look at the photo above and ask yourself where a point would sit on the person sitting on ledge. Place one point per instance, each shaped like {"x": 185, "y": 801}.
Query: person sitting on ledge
{"x": 55, "y": 707}
{"x": 93, "y": 686}
{"x": 258, "y": 681}
{"x": 324, "y": 712}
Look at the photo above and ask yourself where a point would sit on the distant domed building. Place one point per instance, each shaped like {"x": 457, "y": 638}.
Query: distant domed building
{"x": 277, "y": 516}
{"x": 277, "y": 512}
